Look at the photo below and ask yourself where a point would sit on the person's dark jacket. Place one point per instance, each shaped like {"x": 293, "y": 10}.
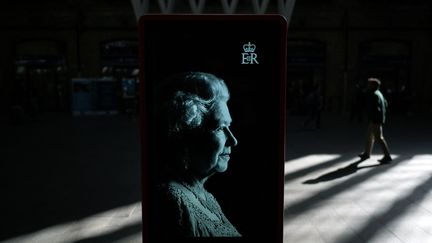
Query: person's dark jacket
{"x": 376, "y": 107}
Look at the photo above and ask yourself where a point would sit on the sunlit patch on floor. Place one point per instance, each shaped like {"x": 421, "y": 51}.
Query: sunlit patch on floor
{"x": 98, "y": 225}
{"x": 291, "y": 166}
{"x": 373, "y": 203}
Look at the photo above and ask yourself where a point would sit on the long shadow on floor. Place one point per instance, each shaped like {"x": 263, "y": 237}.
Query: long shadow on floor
{"x": 297, "y": 174}
{"x": 397, "y": 210}
{"x": 298, "y": 208}
{"x": 339, "y": 173}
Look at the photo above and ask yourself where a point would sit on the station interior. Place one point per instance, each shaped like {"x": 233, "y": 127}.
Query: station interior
{"x": 70, "y": 163}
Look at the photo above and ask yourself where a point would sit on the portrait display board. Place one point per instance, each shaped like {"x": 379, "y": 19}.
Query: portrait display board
{"x": 212, "y": 117}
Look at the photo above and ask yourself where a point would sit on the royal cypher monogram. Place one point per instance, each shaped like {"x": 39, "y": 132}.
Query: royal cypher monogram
{"x": 249, "y": 56}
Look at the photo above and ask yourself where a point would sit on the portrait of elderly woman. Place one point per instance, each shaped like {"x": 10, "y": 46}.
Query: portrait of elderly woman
{"x": 193, "y": 141}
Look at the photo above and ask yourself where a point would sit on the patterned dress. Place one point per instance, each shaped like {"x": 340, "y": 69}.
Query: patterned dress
{"x": 181, "y": 212}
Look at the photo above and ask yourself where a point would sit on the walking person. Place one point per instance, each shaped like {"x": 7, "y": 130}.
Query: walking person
{"x": 376, "y": 110}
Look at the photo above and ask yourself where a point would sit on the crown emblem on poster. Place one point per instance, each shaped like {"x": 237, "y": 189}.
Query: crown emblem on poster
{"x": 249, "y": 47}
{"x": 249, "y": 56}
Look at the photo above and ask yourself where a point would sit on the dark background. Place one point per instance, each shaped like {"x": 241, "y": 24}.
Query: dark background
{"x": 215, "y": 46}
{"x": 57, "y": 168}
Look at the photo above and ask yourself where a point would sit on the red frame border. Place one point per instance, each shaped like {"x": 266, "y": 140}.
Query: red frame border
{"x": 142, "y": 107}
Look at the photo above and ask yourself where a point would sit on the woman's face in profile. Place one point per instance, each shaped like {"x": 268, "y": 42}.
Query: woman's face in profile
{"x": 210, "y": 151}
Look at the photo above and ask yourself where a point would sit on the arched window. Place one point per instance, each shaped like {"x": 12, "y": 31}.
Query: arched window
{"x": 390, "y": 61}
{"x": 305, "y": 71}
{"x": 119, "y": 53}
{"x": 41, "y": 80}
{"x": 119, "y": 61}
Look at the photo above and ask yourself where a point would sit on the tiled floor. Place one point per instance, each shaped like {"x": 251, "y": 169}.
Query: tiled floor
{"x": 71, "y": 180}
{"x": 121, "y": 224}
{"x": 386, "y": 203}
{"x": 329, "y": 198}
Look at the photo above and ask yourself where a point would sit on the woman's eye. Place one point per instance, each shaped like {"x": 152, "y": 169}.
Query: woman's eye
{"x": 219, "y": 129}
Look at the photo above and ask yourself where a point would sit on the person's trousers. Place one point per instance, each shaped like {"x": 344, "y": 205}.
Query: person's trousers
{"x": 375, "y": 132}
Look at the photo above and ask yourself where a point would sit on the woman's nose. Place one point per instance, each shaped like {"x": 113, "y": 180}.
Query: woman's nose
{"x": 232, "y": 141}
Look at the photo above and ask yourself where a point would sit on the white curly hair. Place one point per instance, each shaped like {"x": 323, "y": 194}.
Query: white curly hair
{"x": 193, "y": 96}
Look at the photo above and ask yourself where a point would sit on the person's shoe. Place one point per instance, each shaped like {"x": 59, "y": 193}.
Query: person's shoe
{"x": 385, "y": 160}
{"x": 364, "y": 156}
